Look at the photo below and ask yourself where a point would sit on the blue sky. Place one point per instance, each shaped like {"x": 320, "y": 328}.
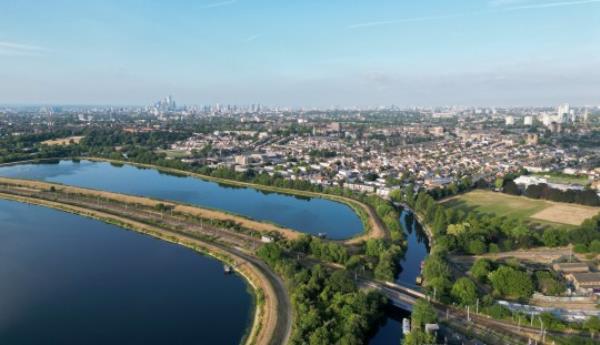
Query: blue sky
{"x": 309, "y": 52}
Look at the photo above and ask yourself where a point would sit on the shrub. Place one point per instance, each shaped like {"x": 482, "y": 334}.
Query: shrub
{"x": 480, "y": 269}
{"x": 464, "y": 291}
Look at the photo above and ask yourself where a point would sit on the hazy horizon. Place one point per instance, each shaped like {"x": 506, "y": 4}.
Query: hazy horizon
{"x": 307, "y": 54}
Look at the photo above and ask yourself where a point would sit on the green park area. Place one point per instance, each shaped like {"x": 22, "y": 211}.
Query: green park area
{"x": 522, "y": 208}
{"x": 565, "y": 178}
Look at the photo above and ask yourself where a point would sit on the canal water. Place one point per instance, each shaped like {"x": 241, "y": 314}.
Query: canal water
{"x": 310, "y": 215}
{"x": 390, "y": 333}
{"x": 65, "y": 279}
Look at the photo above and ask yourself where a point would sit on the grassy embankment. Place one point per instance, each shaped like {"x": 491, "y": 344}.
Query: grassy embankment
{"x": 265, "y": 297}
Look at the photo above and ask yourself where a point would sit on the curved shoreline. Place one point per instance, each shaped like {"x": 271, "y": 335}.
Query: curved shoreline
{"x": 373, "y": 227}
{"x": 269, "y": 292}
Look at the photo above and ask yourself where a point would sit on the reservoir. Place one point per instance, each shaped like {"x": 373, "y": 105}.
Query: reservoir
{"x": 309, "y": 215}
{"x": 65, "y": 279}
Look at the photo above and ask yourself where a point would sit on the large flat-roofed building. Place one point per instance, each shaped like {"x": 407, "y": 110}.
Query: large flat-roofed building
{"x": 585, "y": 282}
{"x": 571, "y": 267}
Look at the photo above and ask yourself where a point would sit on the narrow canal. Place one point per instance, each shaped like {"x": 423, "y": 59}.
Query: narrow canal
{"x": 390, "y": 332}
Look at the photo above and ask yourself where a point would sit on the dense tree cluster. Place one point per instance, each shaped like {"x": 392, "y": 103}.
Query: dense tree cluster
{"x": 383, "y": 255}
{"x": 422, "y": 314}
{"x": 511, "y": 282}
{"x": 15, "y": 148}
{"x": 544, "y": 191}
{"x": 329, "y": 307}
{"x": 548, "y": 283}
{"x": 323, "y": 250}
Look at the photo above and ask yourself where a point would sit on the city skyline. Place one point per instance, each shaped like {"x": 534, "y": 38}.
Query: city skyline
{"x": 476, "y": 53}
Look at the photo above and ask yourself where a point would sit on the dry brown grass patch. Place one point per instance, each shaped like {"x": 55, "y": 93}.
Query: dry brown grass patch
{"x": 63, "y": 141}
{"x": 566, "y": 213}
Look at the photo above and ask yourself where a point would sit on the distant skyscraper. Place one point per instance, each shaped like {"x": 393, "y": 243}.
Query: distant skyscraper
{"x": 572, "y": 116}
{"x": 509, "y": 120}
{"x": 166, "y": 104}
{"x": 563, "y": 112}
{"x": 528, "y": 120}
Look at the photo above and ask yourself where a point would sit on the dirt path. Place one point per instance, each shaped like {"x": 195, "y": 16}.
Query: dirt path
{"x": 542, "y": 255}
{"x": 130, "y": 199}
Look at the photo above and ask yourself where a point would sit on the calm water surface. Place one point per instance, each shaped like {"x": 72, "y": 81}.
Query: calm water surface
{"x": 390, "y": 332}
{"x": 65, "y": 279}
{"x": 311, "y": 215}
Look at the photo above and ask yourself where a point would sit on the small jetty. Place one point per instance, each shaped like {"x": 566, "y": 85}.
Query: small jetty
{"x": 405, "y": 326}
{"x": 227, "y": 269}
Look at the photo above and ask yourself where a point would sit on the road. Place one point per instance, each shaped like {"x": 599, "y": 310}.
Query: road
{"x": 283, "y": 329}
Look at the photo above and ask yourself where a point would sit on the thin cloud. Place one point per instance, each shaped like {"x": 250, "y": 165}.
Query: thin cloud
{"x": 19, "y": 49}
{"x": 500, "y": 4}
{"x": 403, "y": 20}
{"x": 497, "y": 3}
{"x": 552, "y": 4}
{"x": 219, "y": 4}
{"x": 252, "y": 38}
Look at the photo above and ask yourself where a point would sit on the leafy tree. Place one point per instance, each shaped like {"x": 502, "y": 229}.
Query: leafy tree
{"x": 493, "y": 248}
{"x": 592, "y": 324}
{"x": 440, "y": 223}
{"x": 580, "y": 248}
{"x": 510, "y": 282}
{"x": 548, "y": 284}
{"x": 497, "y": 311}
{"x": 418, "y": 337}
{"x": 464, "y": 291}
{"x": 422, "y": 314}
{"x": 271, "y": 253}
{"x": 386, "y": 267}
{"x": 436, "y": 274}
{"x": 476, "y": 247}
{"x": 595, "y": 246}
{"x": 458, "y": 229}
{"x": 510, "y": 187}
{"x": 375, "y": 247}
{"x": 554, "y": 237}
{"x": 480, "y": 269}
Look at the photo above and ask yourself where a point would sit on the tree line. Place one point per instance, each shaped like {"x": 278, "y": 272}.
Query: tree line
{"x": 587, "y": 197}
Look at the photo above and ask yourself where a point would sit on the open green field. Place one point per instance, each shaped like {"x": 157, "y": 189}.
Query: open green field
{"x": 526, "y": 209}
{"x": 174, "y": 154}
{"x": 564, "y": 178}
